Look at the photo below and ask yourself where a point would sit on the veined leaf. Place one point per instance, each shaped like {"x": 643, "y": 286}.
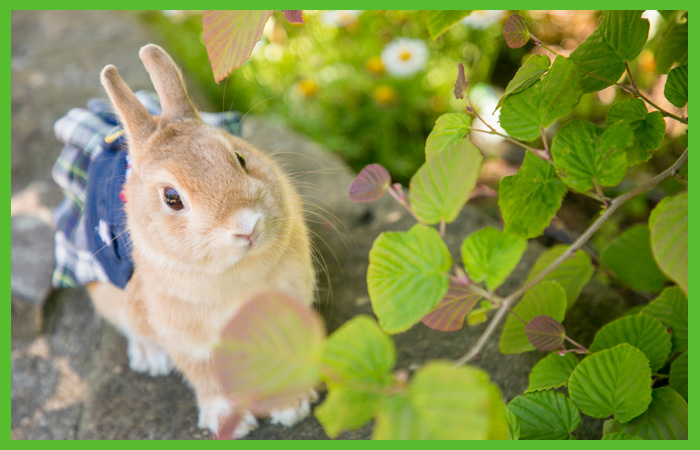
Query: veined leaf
{"x": 547, "y": 298}
{"x": 679, "y": 375}
{"x": 620, "y": 37}
{"x": 513, "y": 425}
{"x": 346, "y": 409}
{"x": 293, "y": 15}
{"x": 269, "y": 352}
{"x": 444, "y": 402}
{"x": 673, "y": 47}
{"x": 648, "y": 128}
{"x": 552, "y": 371}
{"x": 529, "y": 73}
{"x": 671, "y": 308}
{"x": 666, "y": 418}
{"x": 449, "y": 128}
{"x": 515, "y": 31}
{"x": 545, "y": 415}
{"x": 230, "y": 37}
{"x": 545, "y": 333}
{"x": 642, "y": 331}
{"x": 490, "y": 255}
{"x": 440, "y": 21}
{"x": 555, "y": 95}
{"x": 530, "y": 198}
{"x": 629, "y": 257}
{"x": 370, "y": 184}
{"x": 450, "y": 313}
{"x": 669, "y": 238}
{"x": 407, "y": 276}
{"x": 573, "y": 274}
{"x": 614, "y": 381}
{"x": 584, "y": 154}
{"x": 442, "y": 185}
{"x": 676, "y": 88}
{"x": 620, "y": 436}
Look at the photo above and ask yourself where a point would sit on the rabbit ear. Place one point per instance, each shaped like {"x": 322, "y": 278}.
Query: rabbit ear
{"x": 168, "y": 82}
{"x": 137, "y": 121}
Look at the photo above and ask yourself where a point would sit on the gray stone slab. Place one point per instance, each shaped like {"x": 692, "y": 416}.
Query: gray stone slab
{"x": 32, "y": 263}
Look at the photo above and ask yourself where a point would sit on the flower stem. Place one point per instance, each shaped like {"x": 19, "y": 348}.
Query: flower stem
{"x": 510, "y": 301}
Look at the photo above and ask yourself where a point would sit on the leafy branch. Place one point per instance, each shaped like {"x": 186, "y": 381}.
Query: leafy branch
{"x": 511, "y": 300}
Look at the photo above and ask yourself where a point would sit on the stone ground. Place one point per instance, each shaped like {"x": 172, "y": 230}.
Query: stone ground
{"x": 70, "y": 375}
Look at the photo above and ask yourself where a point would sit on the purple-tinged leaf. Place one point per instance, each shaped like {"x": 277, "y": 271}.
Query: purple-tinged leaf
{"x": 516, "y": 32}
{"x": 270, "y": 353}
{"x": 293, "y": 15}
{"x": 369, "y": 184}
{"x": 230, "y": 37}
{"x": 450, "y": 313}
{"x": 461, "y": 83}
{"x": 545, "y": 333}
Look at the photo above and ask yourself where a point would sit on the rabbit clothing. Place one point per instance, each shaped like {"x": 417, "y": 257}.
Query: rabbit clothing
{"x": 91, "y": 241}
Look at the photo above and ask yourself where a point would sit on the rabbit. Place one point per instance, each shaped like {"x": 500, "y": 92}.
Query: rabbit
{"x": 212, "y": 221}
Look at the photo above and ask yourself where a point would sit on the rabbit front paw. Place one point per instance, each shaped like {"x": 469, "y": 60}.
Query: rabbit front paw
{"x": 295, "y": 414}
{"x": 147, "y": 357}
{"x": 216, "y": 415}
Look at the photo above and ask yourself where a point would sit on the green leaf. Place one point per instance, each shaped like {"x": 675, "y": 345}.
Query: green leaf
{"x": 440, "y": 21}
{"x": 407, "y": 276}
{"x": 346, "y": 409}
{"x": 626, "y": 32}
{"x": 552, "y": 371}
{"x": 545, "y": 415}
{"x": 444, "y": 402}
{"x": 230, "y": 37}
{"x": 550, "y": 98}
{"x": 547, "y": 298}
{"x": 679, "y": 375}
{"x": 676, "y": 88}
{"x": 269, "y": 354}
{"x": 585, "y": 154}
{"x": 648, "y": 128}
{"x": 529, "y": 73}
{"x": 620, "y": 37}
{"x": 643, "y": 332}
{"x": 573, "y": 274}
{"x": 515, "y": 31}
{"x": 358, "y": 354}
{"x": 619, "y": 436}
{"x": 666, "y": 418}
{"x": 513, "y": 425}
{"x": 614, "y": 381}
{"x": 490, "y": 255}
{"x": 545, "y": 333}
{"x": 673, "y": 48}
{"x": 442, "y": 185}
{"x": 449, "y": 128}
{"x": 530, "y": 198}
{"x": 450, "y": 313}
{"x": 629, "y": 257}
{"x": 669, "y": 238}
{"x": 671, "y": 308}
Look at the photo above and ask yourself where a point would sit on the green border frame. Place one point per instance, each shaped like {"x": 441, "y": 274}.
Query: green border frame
{"x": 694, "y": 206}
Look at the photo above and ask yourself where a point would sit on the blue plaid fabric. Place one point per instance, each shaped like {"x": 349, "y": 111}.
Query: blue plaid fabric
{"x": 87, "y": 134}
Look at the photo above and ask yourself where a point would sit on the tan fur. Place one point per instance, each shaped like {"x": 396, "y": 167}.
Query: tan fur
{"x": 191, "y": 271}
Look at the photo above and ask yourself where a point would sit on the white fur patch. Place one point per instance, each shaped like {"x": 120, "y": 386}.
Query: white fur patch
{"x": 147, "y": 357}
{"x": 214, "y": 411}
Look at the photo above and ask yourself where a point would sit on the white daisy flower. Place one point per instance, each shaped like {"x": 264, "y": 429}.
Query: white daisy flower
{"x": 340, "y": 18}
{"x": 483, "y": 18}
{"x": 485, "y": 98}
{"x": 405, "y": 57}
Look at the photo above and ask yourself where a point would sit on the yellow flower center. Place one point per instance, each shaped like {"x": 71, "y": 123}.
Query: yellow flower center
{"x": 405, "y": 55}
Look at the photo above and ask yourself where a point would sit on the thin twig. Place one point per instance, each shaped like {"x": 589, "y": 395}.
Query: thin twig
{"x": 510, "y": 301}
{"x": 402, "y": 201}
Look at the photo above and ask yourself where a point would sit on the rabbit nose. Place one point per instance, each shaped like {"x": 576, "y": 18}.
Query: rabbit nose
{"x": 244, "y": 225}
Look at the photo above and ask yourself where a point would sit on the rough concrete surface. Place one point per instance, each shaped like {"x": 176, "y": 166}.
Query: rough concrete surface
{"x": 70, "y": 375}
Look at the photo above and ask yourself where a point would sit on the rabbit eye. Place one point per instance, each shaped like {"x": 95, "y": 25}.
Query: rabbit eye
{"x": 172, "y": 199}
{"x": 241, "y": 160}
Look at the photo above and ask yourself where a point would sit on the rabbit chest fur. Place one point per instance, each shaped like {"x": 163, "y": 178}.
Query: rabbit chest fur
{"x": 212, "y": 221}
